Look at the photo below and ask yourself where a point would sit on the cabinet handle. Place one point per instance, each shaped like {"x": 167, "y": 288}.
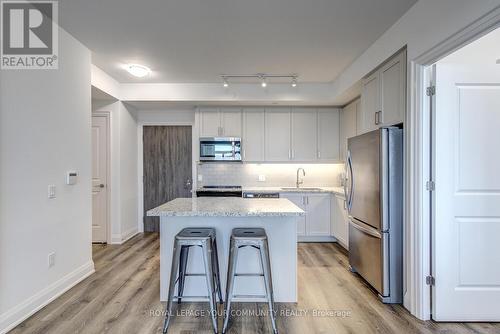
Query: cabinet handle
{"x": 377, "y": 117}
{"x": 289, "y": 154}
{"x": 319, "y": 154}
{"x": 303, "y": 200}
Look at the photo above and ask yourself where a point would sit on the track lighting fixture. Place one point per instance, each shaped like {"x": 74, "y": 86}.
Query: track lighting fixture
{"x": 262, "y": 77}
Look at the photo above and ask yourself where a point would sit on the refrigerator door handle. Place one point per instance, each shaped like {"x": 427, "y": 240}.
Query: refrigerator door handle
{"x": 370, "y": 231}
{"x": 351, "y": 179}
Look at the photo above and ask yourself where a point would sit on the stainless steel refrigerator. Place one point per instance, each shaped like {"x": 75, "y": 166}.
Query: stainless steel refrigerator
{"x": 374, "y": 195}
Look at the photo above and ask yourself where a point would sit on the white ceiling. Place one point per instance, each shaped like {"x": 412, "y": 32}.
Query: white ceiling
{"x": 197, "y": 40}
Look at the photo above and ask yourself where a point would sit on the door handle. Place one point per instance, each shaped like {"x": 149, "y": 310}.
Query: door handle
{"x": 188, "y": 184}
{"x": 100, "y": 185}
{"x": 351, "y": 190}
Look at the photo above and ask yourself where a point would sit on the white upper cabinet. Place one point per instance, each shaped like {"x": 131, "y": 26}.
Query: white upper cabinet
{"x": 328, "y": 134}
{"x": 348, "y": 126}
{"x": 231, "y": 122}
{"x": 210, "y": 123}
{"x": 253, "y": 134}
{"x": 304, "y": 140}
{"x": 277, "y": 132}
{"x": 216, "y": 122}
{"x": 392, "y": 90}
{"x": 383, "y": 95}
{"x": 370, "y": 102}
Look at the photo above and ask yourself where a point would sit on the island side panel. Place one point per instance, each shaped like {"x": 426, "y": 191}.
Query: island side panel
{"x": 282, "y": 234}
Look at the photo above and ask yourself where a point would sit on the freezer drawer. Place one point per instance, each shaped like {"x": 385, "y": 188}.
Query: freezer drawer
{"x": 367, "y": 251}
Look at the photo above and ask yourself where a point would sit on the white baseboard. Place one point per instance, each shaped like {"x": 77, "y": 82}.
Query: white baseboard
{"x": 316, "y": 239}
{"x": 118, "y": 239}
{"x": 30, "y": 306}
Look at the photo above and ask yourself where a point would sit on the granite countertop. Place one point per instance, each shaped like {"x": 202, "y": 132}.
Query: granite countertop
{"x": 335, "y": 190}
{"x": 227, "y": 207}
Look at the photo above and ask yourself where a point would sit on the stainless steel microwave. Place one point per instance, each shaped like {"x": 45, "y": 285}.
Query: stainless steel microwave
{"x": 220, "y": 149}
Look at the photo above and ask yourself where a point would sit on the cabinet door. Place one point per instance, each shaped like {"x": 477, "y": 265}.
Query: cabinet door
{"x": 253, "y": 135}
{"x": 231, "y": 122}
{"x": 370, "y": 103}
{"x": 348, "y": 126}
{"x": 210, "y": 123}
{"x": 304, "y": 134}
{"x": 277, "y": 129}
{"x": 328, "y": 134}
{"x": 318, "y": 214}
{"x": 392, "y": 90}
{"x": 299, "y": 200}
{"x": 340, "y": 223}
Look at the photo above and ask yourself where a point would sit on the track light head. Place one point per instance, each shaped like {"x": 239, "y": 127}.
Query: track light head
{"x": 263, "y": 82}
{"x": 225, "y": 83}
{"x": 294, "y": 82}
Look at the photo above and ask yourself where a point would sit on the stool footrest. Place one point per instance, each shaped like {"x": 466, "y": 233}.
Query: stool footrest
{"x": 191, "y": 297}
{"x": 195, "y": 274}
{"x": 250, "y": 296}
{"x": 250, "y": 274}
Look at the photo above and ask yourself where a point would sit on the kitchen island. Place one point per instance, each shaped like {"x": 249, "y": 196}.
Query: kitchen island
{"x": 278, "y": 216}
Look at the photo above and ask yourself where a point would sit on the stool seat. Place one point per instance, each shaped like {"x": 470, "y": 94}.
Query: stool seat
{"x": 195, "y": 233}
{"x": 249, "y": 233}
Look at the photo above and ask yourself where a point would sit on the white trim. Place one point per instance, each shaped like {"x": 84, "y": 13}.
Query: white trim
{"x": 118, "y": 239}
{"x": 417, "y": 296}
{"x": 107, "y": 114}
{"x": 140, "y": 162}
{"x": 30, "y": 306}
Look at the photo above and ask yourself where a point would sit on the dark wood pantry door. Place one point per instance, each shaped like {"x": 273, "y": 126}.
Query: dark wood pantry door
{"x": 167, "y": 167}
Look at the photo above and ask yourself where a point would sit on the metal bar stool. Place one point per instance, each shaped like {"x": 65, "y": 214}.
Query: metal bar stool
{"x": 256, "y": 238}
{"x": 184, "y": 240}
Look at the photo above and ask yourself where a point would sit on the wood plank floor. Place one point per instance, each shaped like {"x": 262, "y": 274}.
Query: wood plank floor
{"x": 123, "y": 297}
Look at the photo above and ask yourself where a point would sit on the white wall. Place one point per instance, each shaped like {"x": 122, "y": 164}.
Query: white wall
{"x": 44, "y": 132}
{"x": 427, "y": 24}
{"x": 123, "y": 169}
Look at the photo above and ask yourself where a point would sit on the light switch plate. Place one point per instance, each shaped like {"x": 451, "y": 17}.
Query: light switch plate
{"x": 51, "y": 191}
{"x": 51, "y": 259}
{"x": 262, "y": 178}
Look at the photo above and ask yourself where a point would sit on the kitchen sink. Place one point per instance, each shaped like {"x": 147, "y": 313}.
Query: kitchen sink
{"x": 301, "y": 188}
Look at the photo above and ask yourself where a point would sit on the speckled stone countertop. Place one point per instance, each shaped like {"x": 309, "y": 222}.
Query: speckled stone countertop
{"x": 336, "y": 190}
{"x": 227, "y": 207}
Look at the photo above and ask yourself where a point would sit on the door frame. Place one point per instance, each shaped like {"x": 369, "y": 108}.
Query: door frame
{"x": 107, "y": 115}
{"x": 140, "y": 162}
{"x": 418, "y": 160}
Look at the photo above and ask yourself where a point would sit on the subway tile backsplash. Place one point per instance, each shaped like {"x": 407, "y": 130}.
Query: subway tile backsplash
{"x": 276, "y": 175}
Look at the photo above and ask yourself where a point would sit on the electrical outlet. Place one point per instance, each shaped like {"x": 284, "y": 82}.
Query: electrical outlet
{"x": 51, "y": 259}
{"x": 51, "y": 191}
{"x": 262, "y": 178}
{"x": 200, "y": 177}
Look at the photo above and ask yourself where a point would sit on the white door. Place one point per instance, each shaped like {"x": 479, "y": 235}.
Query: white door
{"x": 99, "y": 178}
{"x": 231, "y": 122}
{"x": 253, "y": 135}
{"x": 318, "y": 215}
{"x": 304, "y": 134}
{"x": 466, "y": 227}
{"x": 277, "y": 134}
{"x": 392, "y": 90}
{"x": 328, "y": 134}
{"x": 370, "y": 103}
{"x": 348, "y": 126}
{"x": 300, "y": 201}
{"x": 210, "y": 123}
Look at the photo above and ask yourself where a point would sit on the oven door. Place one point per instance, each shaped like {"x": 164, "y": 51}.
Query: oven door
{"x": 220, "y": 149}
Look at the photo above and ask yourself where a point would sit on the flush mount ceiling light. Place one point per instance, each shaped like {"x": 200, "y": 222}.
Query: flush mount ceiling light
{"x": 263, "y": 82}
{"x": 262, "y": 77}
{"x": 137, "y": 70}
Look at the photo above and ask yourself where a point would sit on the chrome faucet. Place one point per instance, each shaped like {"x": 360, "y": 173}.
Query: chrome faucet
{"x": 299, "y": 182}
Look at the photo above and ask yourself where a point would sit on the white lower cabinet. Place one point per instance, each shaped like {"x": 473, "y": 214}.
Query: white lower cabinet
{"x": 315, "y": 225}
{"x": 340, "y": 220}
